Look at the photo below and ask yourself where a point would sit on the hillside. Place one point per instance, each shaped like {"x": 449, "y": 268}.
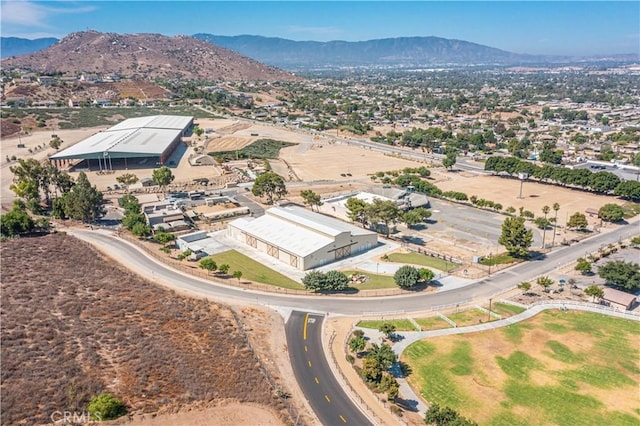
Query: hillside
{"x": 82, "y": 325}
{"x": 410, "y": 51}
{"x": 15, "y": 46}
{"x": 145, "y": 56}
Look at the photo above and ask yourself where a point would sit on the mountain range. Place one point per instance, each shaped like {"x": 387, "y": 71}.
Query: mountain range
{"x": 145, "y": 56}
{"x": 15, "y": 46}
{"x": 389, "y": 52}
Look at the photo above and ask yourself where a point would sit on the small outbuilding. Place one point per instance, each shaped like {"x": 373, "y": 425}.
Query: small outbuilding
{"x": 619, "y": 299}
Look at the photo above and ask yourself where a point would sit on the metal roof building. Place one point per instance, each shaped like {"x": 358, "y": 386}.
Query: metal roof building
{"x": 141, "y": 137}
{"x": 301, "y": 238}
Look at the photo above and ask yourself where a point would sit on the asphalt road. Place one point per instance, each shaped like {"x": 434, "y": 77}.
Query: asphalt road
{"x": 327, "y": 398}
{"x": 136, "y": 260}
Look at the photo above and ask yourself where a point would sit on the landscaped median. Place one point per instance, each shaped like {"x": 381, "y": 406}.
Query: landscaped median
{"x": 559, "y": 367}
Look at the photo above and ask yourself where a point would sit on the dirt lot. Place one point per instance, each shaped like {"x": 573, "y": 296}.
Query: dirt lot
{"x": 69, "y": 333}
{"x": 329, "y": 161}
{"x": 535, "y": 195}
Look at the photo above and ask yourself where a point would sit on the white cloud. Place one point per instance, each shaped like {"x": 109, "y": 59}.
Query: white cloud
{"x": 24, "y": 13}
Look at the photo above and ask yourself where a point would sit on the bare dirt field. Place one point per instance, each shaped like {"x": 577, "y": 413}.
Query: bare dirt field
{"x": 226, "y": 415}
{"x": 535, "y": 195}
{"x": 71, "y": 332}
{"x": 330, "y": 161}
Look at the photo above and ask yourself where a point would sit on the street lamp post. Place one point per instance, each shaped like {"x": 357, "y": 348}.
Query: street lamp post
{"x": 522, "y": 177}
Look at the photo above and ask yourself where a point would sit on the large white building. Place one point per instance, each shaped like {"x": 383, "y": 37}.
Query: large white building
{"x": 140, "y": 139}
{"x": 301, "y": 238}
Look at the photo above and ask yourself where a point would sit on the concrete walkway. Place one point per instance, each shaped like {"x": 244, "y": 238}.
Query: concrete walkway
{"x": 409, "y": 337}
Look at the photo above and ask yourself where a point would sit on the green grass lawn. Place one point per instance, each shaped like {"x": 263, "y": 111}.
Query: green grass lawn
{"x": 432, "y": 323}
{"x": 504, "y": 309}
{"x": 401, "y": 324}
{"x": 498, "y": 259}
{"x": 373, "y": 282}
{"x": 560, "y": 368}
{"x": 254, "y": 271}
{"x": 469, "y": 317}
{"x": 422, "y": 260}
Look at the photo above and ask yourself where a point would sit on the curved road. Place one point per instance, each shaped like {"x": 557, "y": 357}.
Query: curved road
{"x": 304, "y": 337}
{"x": 329, "y": 401}
{"x": 136, "y": 260}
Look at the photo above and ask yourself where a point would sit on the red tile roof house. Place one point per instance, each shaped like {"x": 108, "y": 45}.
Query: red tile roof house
{"x": 619, "y": 299}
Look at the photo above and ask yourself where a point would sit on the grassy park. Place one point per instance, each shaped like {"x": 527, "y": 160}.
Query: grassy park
{"x": 401, "y": 324}
{"x": 562, "y": 368}
{"x": 422, "y": 260}
{"x": 254, "y": 271}
{"x": 373, "y": 281}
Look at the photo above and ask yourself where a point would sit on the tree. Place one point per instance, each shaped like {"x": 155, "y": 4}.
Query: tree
{"x": 525, "y": 286}
{"x": 546, "y": 211}
{"x": 198, "y": 131}
{"x": 208, "y": 264}
{"x": 357, "y": 344}
{"x": 583, "y": 266}
{"x": 83, "y": 202}
{"x": 556, "y": 207}
{"x": 545, "y": 283}
{"x": 406, "y": 276}
{"x": 224, "y": 268}
{"x": 311, "y": 198}
{"x": 238, "y": 275}
{"x": 594, "y": 291}
{"x": 371, "y": 369}
{"x": 106, "y": 407}
{"x": 426, "y": 275}
{"x": 162, "y": 176}
{"x": 515, "y": 237}
{"x": 449, "y": 160}
{"x": 387, "y": 329}
{"x": 271, "y": 185}
{"x": 415, "y": 216}
{"x": 611, "y": 213}
{"x": 445, "y": 416}
{"x": 621, "y": 274}
{"x": 383, "y": 354}
{"x": 385, "y": 211}
{"x": 357, "y": 210}
{"x": 629, "y": 189}
{"x": 141, "y": 229}
{"x": 164, "y": 237}
{"x": 577, "y": 221}
{"x": 55, "y": 143}
{"x": 335, "y": 281}
{"x": 389, "y": 384}
{"x": 127, "y": 179}
{"x": 17, "y": 221}
{"x": 313, "y": 280}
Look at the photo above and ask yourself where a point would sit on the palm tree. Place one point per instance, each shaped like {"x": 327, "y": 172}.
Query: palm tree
{"x": 545, "y": 210}
{"x": 556, "y": 207}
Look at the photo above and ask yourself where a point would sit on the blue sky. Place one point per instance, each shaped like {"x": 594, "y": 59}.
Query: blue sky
{"x": 573, "y": 27}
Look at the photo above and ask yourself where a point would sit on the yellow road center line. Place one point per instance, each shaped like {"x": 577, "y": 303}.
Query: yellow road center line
{"x": 309, "y": 363}
{"x": 343, "y": 419}
{"x": 305, "y": 348}
{"x": 304, "y": 329}
{"x": 327, "y": 398}
{"x": 317, "y": 381}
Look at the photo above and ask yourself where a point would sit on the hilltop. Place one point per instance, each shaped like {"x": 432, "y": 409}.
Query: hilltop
{"x": 145, "y": 56}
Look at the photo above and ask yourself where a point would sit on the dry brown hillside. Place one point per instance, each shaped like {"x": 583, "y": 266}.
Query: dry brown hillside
{"x": 146, "y": 56}
{"x": 74, "y": 324}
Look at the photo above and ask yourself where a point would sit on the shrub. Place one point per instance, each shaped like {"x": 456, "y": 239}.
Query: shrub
{"x": 106, "y": 407}
{"x": 406, "y": 276}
